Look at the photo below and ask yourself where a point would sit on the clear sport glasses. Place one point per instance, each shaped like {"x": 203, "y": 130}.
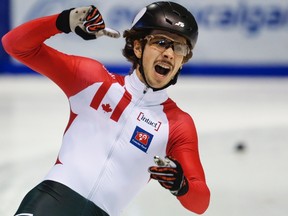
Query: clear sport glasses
{"x": 162, "y": 43}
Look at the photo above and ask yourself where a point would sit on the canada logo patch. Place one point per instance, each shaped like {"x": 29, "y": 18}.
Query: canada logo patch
{"x": 141, "y": 139}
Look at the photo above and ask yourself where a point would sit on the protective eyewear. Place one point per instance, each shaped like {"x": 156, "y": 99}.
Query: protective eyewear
{"x": 162, "y": 43}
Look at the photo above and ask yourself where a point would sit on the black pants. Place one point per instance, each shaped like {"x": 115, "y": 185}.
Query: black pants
{"x": 50, "y": 198}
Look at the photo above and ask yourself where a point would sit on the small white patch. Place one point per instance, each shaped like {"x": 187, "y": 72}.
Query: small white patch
{"x": 138, "y": 16}
{"x": 24, "y": 214}
{"x": 181, "y": 24}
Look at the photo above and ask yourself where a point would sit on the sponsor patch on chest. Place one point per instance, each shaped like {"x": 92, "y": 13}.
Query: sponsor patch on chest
{"x": 141, "y": 139}
{"x": 155, "y": 124}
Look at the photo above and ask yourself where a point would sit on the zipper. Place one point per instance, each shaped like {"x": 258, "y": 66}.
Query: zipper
{"x": 145, "y": 90}
{"x": 98, "y": 180}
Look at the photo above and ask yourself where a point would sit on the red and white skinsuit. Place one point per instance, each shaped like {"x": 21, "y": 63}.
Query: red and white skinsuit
{"x": 115, "y": 128}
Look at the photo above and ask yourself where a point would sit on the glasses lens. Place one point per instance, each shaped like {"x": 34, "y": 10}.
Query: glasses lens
{"x": 162, "y": 43}
{"x": 181, "y": 49}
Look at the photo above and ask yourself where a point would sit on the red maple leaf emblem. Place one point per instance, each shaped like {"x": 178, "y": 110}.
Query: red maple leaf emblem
{"x": 106, "y": 107}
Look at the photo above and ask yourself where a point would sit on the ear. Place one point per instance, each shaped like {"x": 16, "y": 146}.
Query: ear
{"x": 137, "y": 49}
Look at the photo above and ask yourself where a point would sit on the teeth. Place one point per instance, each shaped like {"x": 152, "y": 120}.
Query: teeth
{"x": 164, "y": 66}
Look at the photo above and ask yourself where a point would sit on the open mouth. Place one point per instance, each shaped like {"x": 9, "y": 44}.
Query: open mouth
{"x": 162, "y": 69}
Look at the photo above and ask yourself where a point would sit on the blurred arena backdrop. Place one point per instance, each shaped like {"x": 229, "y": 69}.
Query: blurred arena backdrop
{"x": 236, "y": 37}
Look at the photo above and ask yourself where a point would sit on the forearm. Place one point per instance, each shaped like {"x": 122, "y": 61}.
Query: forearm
{"x": 197, "y": 198}
{"x": 198, "y": 195}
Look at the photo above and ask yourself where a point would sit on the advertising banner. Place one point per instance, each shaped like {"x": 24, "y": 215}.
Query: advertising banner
{"x": 235, "y": 36}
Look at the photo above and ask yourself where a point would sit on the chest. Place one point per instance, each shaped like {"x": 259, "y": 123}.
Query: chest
{"x": 115, "y": 117}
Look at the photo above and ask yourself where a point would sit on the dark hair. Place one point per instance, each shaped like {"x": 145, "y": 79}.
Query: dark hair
{"x": 128, "y": 51}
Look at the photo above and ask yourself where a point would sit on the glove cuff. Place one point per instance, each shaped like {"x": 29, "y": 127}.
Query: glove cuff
{"x": 183, "y": 190}
{"x": 62, "y": 22}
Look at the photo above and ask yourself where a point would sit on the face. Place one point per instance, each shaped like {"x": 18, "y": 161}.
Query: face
{"x": 160, "y": 63}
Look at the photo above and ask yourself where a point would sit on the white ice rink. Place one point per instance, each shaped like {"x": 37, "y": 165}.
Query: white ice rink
{"x": 227, "y": 112}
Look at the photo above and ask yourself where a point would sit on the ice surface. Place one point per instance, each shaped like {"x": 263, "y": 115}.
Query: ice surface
{"x": 252, "y": 112}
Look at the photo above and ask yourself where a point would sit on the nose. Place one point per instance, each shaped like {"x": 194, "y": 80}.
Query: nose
{"x": 168, "y": 53}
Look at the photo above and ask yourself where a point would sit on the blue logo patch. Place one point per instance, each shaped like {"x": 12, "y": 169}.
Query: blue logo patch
{"x": 141, "y": 139}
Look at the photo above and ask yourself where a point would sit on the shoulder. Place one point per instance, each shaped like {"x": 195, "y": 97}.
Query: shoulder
{"x": 182, "y": 130}
{"x": 88, "y": 71}
{"x": 176, "y": 115}
{"x": 97, "y": 71}
{"x": 90, "y": 68}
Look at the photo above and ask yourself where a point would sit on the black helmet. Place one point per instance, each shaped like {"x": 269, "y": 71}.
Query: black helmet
{"x": 168, "y": 16}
